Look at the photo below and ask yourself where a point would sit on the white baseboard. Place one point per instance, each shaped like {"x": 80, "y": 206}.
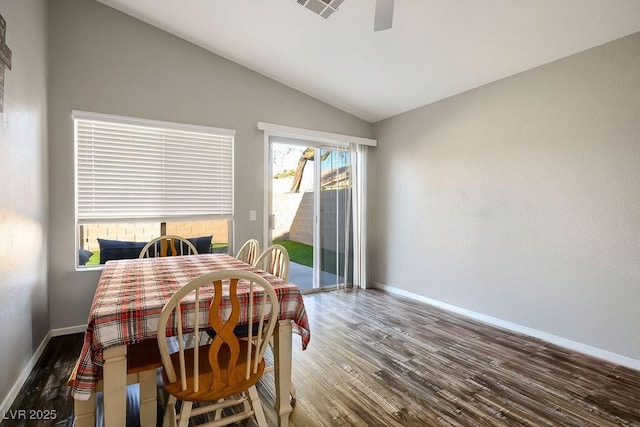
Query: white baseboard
{"x": 494, "y": 321}
{"x": 26, "y": 371}
{"x": 68, "y": 331}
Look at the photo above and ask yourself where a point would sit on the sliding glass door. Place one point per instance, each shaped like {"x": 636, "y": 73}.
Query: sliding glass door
{"x": 310, "y": 210}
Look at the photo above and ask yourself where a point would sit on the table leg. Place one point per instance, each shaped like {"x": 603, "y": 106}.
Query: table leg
{"x": 282, "y": 368}
{"x": 148, "y": 397}
{"x": 115, "y": 386}
{"x": 84, "y": 412}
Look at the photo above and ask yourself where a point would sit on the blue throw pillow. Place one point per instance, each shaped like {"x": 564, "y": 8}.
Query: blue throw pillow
{"x": 116, "y": 249}
{"x": 83, "y": 256}
{"x": 202, "y": 244}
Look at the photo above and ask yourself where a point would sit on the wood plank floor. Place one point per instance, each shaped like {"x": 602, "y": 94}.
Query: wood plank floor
{"x": 380, "y": 360}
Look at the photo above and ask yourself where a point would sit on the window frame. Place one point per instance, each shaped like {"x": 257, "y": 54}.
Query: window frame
{"x": 226, "y": 142}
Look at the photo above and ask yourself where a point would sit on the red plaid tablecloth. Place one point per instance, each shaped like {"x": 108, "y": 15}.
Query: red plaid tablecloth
{"x": 132, "y": 292}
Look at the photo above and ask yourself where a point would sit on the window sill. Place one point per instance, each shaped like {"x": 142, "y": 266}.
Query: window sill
{"x": 89, "y": 268}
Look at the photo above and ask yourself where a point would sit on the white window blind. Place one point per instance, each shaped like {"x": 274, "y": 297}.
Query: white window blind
{"x": 133, "y": 169}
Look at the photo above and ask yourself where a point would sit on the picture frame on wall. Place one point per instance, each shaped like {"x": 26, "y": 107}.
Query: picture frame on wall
{"x": 5, "y": 59}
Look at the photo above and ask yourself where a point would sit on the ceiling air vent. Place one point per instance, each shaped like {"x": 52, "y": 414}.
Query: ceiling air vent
{"x": 323, "y": 8}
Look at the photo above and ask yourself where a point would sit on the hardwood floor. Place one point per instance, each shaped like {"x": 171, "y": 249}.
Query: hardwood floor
{"x": 380, "y": 360}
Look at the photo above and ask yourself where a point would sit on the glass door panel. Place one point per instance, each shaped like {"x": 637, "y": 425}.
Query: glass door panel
{"x": 292, "y": 208}
{"x": 335, "y": 234}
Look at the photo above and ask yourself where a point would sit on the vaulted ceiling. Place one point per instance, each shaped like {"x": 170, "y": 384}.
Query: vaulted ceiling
{"x": 435, "y": 49}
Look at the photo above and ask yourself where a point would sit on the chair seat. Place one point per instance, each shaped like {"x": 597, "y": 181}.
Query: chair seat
{"x": 205, "y": 377}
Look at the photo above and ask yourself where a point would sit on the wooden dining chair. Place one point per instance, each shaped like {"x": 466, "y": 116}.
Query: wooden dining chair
{"x": 225, "y": 370}
{"x": 168, "y": 245}
{"x": 143, "y": 360}
{"x": 249, "y": 251}
{"x": 274, "y": 260}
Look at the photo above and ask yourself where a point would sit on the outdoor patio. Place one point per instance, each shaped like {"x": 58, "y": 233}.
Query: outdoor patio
{"x": 302, "y": 276}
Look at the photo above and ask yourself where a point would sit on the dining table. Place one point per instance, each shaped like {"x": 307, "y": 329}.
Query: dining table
{"x": 126, "y": 306}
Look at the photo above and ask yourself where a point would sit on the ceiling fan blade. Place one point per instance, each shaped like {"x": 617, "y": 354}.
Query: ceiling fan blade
{"x": 384, "y": 15}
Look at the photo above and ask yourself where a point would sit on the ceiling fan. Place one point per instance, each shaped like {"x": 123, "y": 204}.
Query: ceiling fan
{"x": 383, "y": 14}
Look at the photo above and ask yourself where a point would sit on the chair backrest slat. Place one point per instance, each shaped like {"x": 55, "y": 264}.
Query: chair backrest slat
{"x": 183, "y": 376}
{"x": 258, "y": 356}
{"x": 224, "y": 333}
{"x": 250, "y": 316}
{"x": 196, "y": 354}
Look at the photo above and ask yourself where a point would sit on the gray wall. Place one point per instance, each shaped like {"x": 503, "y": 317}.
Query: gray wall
{"x": 23, "y": 192}
{"x": 107, "y": 62}
{"x": 521, "y": 199}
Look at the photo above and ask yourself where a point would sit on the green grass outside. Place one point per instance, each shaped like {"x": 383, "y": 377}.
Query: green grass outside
{"x": 298, "y": 252}
{"x": 95, "y": 259}
{"x": 301, "y": 253}
{"x": 220, "y": 248}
